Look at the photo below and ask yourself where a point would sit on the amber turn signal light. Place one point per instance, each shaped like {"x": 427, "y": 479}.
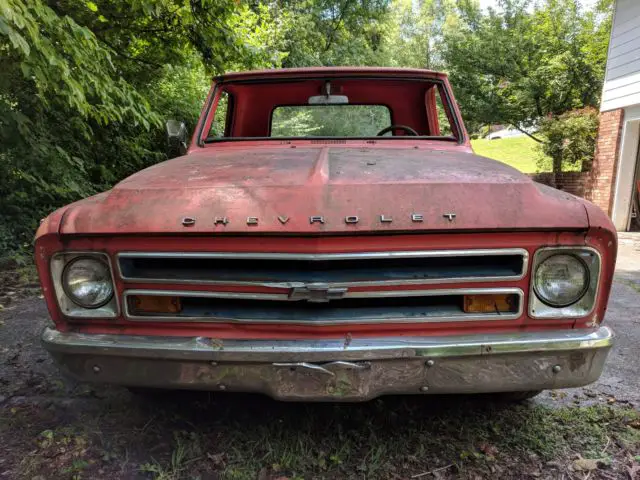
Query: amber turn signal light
{"x": 145, "y": 304}
{"x": 490, "y": 303}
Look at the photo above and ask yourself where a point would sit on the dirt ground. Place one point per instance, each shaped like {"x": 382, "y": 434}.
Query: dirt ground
{"x": 621, "y": 377}
{"x": 51, "y": 427}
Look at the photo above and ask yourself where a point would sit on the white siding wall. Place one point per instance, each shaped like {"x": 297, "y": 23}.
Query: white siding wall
{"x": 622, "y": 81}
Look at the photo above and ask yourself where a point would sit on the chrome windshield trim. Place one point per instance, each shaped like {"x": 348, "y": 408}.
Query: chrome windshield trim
{"x": 324, "y": 257}
{"x": 206, "y": 348}
{"x": 285, "y": 297}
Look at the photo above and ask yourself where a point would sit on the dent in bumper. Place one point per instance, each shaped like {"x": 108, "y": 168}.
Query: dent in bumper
{"x": 331, "y": 370}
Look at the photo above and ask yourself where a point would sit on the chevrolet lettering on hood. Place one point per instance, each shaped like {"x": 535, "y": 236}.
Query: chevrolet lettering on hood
{"x": 328, "y": 234}
{"x": 349, "y": 219}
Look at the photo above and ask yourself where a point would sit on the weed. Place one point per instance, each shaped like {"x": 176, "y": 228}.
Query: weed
{"x": 186, "y": 450}
{"x": 243, "y": 437}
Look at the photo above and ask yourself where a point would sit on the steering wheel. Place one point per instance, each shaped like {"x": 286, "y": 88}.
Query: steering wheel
{"x": 391, "y": 128}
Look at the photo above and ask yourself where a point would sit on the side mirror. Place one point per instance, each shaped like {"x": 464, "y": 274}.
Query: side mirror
{"x": 176, "y": 138}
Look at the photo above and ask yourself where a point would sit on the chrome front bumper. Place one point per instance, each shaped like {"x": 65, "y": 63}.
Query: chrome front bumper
{"x": 338, "y": 370}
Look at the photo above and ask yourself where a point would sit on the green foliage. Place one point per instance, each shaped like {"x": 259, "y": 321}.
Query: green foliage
{"x": 570, "y": 140}
{"x": 413, "y": 33}
{"x": 293, "y": 122}
{"x": 330, "y": 121}
{"x": 330, "y": 32}
{"x": 219, "y": 124}
{"x": 65, "y": 60}
{"x": 526, "y": 61}
{"x": 86, "y": 86}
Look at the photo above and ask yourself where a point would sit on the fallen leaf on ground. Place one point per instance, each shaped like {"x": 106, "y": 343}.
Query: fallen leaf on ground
{"x": 585, "y": 464}
{"x": 217, "y": 459}
{"x": 488, "y": 449}
{"x": 633, "y": 472}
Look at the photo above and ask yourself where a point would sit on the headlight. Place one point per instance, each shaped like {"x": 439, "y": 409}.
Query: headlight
{"x": 87, "y": 282}
{"x": 561, "y": 280}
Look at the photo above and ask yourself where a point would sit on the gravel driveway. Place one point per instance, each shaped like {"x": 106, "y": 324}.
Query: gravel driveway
{"x": 51, "y": 427}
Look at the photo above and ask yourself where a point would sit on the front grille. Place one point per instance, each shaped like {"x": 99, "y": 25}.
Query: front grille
{"x": 353, "y": 307}
{"x": 341, "y": 269}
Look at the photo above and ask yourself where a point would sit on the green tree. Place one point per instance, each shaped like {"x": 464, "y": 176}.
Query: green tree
{"x": 525, "y": 61}
{"x": 65, "y": 60}
{"x": 85, "y": 86}
{"x": 334, "y": 32}
{"x": 414, "y": 33}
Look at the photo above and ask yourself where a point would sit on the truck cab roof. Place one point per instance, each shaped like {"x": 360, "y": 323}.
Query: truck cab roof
{"x": 331, "y": 102}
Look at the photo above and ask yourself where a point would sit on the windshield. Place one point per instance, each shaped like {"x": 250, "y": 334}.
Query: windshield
{"x": 329, "y": 121}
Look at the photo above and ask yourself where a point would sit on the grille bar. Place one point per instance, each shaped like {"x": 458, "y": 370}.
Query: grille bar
{"x": 334, "y": 269}
{"x": 397, "y": 306}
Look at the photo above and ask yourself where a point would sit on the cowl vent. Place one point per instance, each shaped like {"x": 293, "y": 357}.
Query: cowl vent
{"x": 328, "y": 141}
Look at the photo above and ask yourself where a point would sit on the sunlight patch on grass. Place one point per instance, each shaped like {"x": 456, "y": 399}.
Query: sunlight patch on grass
{"x": 519, "y": 152}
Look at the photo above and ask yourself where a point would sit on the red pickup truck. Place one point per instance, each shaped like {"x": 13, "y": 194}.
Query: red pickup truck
{"x": 329, "y": 235}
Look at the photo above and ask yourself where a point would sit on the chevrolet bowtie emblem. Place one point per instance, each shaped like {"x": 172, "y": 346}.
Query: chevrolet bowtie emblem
{"x": 316, "y": 293}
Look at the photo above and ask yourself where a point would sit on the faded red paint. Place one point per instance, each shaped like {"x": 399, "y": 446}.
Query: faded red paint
{"x": 495, "y": 206}
{"x": 238, "y": 181}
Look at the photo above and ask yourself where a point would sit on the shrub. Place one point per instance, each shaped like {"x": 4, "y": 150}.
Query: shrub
{"x": 570, "y": 140}
{"x": 51, "y": 155}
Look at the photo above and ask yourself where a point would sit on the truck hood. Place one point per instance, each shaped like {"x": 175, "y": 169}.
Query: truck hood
{"x": 307, "y": 190}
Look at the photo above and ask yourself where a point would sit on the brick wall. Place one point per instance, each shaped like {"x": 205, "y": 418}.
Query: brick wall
{"x": 576, "y": 183}
{"x": 597, "y": 184}
{"x": 602, "y": 176}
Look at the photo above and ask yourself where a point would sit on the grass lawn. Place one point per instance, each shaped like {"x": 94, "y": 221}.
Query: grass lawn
{"x": 519, "y": 152}
{"x": 176, "y": 436}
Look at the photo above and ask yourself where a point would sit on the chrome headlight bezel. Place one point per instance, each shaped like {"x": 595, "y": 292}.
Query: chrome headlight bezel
{"x": 68, "y": 289}
{"x": 591, "y": 259}
{"x": 69, "y": 306}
